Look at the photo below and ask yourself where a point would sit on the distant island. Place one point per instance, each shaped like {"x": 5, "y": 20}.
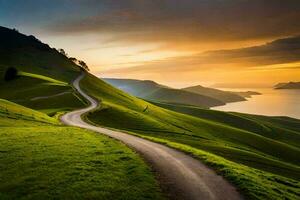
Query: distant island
{"x": 247, "y": 94}
{"x": 289, "y": 85}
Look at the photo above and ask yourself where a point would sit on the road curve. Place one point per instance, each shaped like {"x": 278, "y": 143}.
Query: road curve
{"x": 181, "y": 176}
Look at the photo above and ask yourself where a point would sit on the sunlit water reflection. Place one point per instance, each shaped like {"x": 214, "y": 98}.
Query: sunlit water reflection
{"x": 271, "y": 102}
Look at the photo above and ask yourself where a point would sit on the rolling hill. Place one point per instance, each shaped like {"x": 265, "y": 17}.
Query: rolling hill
{"x": 42, "y": 159}
{"x": 256, "y": 153}
{"x": 254, "y": 147}
{"x": 42, "y": 72}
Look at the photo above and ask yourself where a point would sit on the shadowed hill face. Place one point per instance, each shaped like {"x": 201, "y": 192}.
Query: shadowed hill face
{"x": 43, "y": 74}
{"x": 28, "y": 54}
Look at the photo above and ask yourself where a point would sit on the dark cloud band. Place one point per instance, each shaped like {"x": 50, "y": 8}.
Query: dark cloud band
{"x": 189, "y": 20}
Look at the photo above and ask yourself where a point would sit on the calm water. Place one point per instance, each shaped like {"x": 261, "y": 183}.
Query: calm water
{"x": 271, "y": 102}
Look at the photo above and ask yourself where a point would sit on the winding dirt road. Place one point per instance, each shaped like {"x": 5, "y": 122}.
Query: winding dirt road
{"x": 181, "y": 176}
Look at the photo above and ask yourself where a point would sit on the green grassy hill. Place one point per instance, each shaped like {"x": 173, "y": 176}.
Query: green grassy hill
{"x": 12, "y": 113}
{"x": 41, "y": 93}
{"x": 42, "y": 159}
{"x": 44, "y": 75}
{"x": 254, "y": 150}
{"x": 30, "y": 55}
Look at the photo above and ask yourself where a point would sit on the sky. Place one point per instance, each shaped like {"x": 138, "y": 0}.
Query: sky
{"x": 220, "y": 43}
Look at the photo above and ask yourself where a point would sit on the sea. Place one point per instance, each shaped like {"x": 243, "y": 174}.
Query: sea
{"x": 271, "y": 102}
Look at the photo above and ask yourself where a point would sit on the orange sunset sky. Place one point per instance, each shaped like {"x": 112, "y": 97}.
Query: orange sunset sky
{"x": 174, "y": 42}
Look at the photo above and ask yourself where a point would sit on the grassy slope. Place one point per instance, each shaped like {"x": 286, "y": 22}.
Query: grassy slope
{"x": 271, "y": 148}
{"x": 13, "y": 114}
{"x": 38, "y": 92}
{"x": 44, "y": 72}
{"x": 40, "y": 159}
{"x": 30, "y": 55}
{"x": 279, "y": 128}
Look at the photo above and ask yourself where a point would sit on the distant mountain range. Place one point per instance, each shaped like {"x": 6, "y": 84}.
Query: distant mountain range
{"x": 289, "y": 85}
{"x": 196, "y": 95}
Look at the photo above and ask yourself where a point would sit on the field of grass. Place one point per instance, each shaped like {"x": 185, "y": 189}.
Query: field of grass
{"x": 255, "y": 184}
{"x": 41, "y": 159}
{"x": 250, "y": 144}
{"x": 41, "y": 93}
{"x": 12, "y": 112}
{"x": 50, "y": 81}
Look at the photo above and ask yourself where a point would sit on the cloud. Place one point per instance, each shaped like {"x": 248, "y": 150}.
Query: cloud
{"x": 189, "y": 21}
{"x": 280, "y": 51}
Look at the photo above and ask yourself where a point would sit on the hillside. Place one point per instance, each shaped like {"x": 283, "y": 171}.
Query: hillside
{"x": 29, "y": 54}
{"x": 44, "y": 75}
{"x": 289, "y": 85}
{"x": 41, "y": 93}
{"x": 224, "y": 96}
{"x": 10, "y": 113}
{"x": 242, "y": 140}
{"x": 32, "y": 146}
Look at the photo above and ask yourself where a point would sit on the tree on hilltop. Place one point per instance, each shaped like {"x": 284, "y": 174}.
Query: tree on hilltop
{"x": 83, "y": 65}
{"x": 62, "y": 51}
{"x": 80, "y": 63}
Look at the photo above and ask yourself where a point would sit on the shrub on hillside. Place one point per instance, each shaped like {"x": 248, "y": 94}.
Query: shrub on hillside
{"x": 10, "y": 74}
